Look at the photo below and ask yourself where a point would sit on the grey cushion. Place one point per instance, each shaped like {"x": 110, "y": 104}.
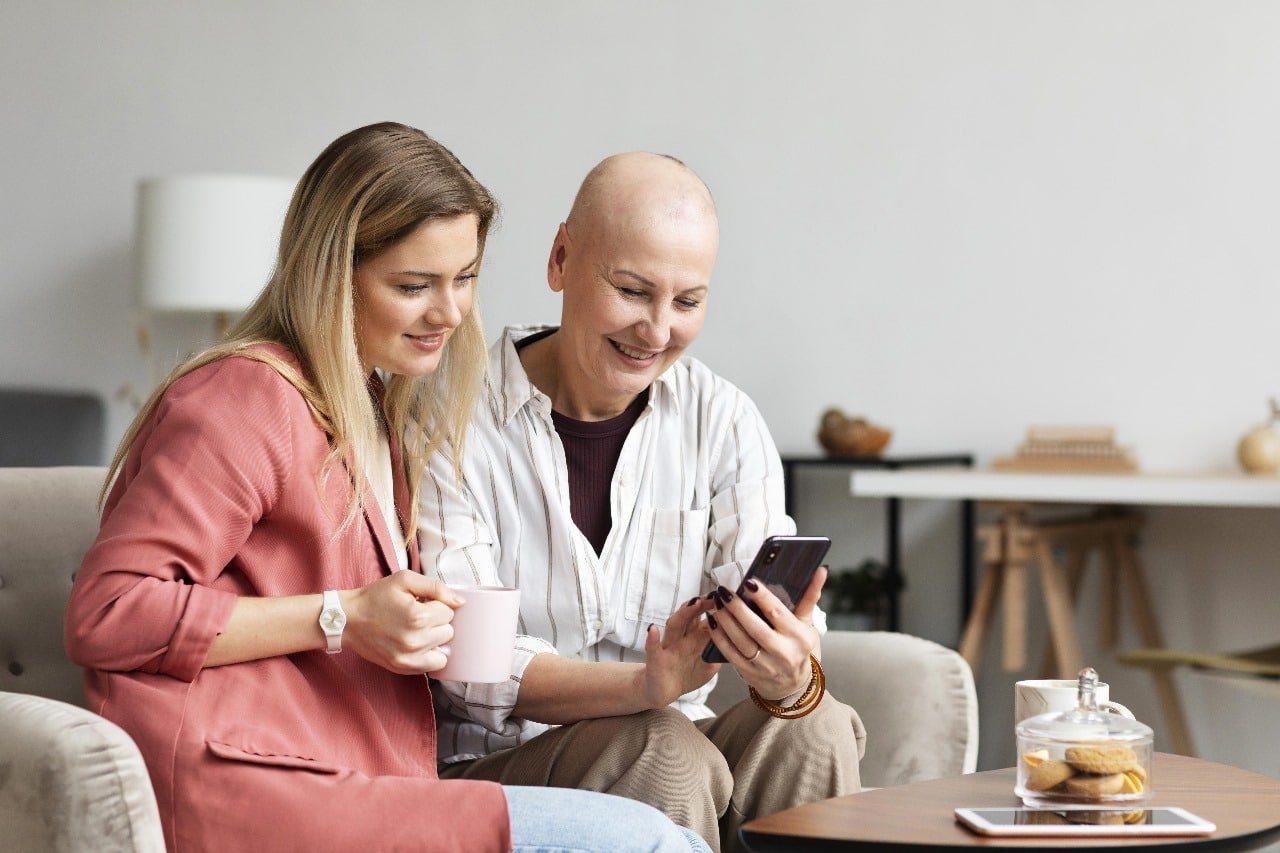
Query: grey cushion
{"x": 39, "y": 428}
{"x": 916, "y": 699}
{"x": 48, "y": 519}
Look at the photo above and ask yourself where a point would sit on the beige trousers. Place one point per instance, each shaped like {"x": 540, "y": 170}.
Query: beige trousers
{"x": 710, "y": 776}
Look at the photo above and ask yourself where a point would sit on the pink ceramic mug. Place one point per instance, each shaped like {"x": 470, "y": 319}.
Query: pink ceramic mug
{"x": 484, "y": 635}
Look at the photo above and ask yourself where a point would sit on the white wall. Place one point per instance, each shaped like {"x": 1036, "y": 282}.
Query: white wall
{"x": 959, "y": 218}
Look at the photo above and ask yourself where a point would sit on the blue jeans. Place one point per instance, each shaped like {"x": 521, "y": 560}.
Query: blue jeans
{"x": 564, "y": 820}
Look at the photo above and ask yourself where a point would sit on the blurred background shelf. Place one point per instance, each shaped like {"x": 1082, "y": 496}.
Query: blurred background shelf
{"x": 893, "y": 508}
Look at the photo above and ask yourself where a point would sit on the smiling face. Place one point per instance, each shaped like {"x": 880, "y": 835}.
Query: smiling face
{"x": 411, "y": 296}
{"x": 635, "y": 275}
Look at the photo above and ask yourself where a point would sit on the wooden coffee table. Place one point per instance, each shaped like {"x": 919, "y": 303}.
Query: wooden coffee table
{"x": 1244, "y": 805}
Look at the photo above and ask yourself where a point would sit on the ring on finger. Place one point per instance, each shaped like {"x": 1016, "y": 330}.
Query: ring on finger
{"x": 754, "y": 656}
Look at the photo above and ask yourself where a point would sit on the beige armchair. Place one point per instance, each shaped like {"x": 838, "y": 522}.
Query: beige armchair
{"x": 72, "y": 781}
{"x": 75, "y": 781}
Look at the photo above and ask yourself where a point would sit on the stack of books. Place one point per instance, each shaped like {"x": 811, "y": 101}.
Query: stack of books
{"x": 1069, "y": 449}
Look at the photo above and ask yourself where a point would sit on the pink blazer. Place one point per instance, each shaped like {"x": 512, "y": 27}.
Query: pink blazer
{"x": 220, "y": 497}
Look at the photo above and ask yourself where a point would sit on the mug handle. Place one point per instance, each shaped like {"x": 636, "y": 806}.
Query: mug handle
{"x": 1117, "y": 708}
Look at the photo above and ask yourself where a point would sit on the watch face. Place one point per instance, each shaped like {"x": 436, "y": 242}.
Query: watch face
{"x": 333, "y": 620}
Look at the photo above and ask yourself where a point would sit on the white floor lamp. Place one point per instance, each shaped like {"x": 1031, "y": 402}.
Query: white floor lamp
{"x": 206, "y": 244}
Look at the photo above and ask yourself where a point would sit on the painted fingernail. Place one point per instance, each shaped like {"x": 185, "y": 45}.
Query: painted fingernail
{"x": 720, "y": 602}
{"x": 711, "y": 620}
{"x": 752, "y": 585}
{"x": 710, "y": 595}
{"x": 691, "y": 601}
{"x": 726, "y": 594}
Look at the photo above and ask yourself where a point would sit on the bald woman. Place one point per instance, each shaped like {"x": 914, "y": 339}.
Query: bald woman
{"x": 625, "y": 488}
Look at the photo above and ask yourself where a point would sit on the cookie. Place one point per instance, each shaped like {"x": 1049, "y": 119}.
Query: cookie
{"x": 1102, "y": 759}
{"x": 1035, "y": 756}
{"x": 1048, "y": 774}
{"x": 1095, "y": 785}
{"x": 1133, "y": 783}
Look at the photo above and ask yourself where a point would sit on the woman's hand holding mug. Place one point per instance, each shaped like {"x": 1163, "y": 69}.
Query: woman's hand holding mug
{"x": 400, "y": 622}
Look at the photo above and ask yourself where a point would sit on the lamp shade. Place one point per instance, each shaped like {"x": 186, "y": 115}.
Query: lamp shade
{"x": 208, "y": 242}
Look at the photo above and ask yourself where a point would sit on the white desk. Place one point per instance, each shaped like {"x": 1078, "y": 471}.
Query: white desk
{"x": 1216, "y": 489}
{"x": 1017, "y": 541}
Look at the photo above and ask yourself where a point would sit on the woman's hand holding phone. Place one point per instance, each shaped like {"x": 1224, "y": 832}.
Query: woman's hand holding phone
{"x": 774, "y": 660}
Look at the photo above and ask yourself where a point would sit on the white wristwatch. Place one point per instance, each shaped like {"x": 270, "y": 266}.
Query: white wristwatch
{"x": 332, "y": 620}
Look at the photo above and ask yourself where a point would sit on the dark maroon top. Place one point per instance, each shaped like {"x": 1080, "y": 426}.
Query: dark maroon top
{"x": 591, "y": 451}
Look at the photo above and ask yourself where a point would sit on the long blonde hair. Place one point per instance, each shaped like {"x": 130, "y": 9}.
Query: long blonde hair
{"x": 366, "y": 191}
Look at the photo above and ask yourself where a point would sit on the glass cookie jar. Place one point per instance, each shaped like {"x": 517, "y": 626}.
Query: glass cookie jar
{"x": 1084, "y": 756}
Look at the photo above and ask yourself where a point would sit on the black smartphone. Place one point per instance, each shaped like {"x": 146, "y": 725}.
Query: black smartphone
{"x": 785, "y": 564}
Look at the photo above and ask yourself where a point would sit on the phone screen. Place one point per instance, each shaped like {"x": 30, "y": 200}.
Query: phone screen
{"x": 1084, "y": 821}
{"x": 785, "y": 565}
{"x": 1083, "y": 817}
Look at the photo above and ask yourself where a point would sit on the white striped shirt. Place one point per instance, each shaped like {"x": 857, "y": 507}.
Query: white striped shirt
{"x": 697, "y": 488}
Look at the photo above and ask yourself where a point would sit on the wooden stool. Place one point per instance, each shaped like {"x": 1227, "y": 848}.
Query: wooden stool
{"x": 1011, "y": 544}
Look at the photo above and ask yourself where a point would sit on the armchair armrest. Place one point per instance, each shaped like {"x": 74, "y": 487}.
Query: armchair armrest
{"x": 71, "y": 780}
{"x": 916, "y": 699}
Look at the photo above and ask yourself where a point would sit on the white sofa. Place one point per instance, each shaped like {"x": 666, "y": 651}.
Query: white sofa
{"x": 72, "y": 781}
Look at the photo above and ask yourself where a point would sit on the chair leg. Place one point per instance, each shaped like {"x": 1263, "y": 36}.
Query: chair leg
{"x": 1014, "y": 656}
{"x": 1013, "y": 551}
{"x": 983, "y": 613}
{"x": 1057, "y": 602}
{"x": 1109, "y": 617}
{"x": 1076, "y": 558}
{"x": 1170, "y": 702}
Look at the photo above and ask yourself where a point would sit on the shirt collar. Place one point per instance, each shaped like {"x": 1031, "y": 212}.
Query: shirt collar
{"x": 515, "y": 391}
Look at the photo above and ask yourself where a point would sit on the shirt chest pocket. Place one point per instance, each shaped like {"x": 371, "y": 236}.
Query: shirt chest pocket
{"x": 664, "y": 562}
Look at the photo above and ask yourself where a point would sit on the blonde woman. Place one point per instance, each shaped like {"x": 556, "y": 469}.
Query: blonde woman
{"x": 251, "y": 611}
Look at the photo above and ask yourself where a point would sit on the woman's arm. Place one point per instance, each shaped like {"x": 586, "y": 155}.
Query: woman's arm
{"x": 267, "y": 627}
{"x": 209, "y": 465}
{"x": 747, "y": 506}
{"x": 396, "y": 622}
{"x": 561, "y": 690}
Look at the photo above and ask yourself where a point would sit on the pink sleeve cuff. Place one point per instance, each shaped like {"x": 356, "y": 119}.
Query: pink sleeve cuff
{"x": 207, "y": 612}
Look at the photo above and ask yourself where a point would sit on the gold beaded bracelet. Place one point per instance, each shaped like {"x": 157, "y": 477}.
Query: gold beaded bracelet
{"x": 807, "y": 702}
